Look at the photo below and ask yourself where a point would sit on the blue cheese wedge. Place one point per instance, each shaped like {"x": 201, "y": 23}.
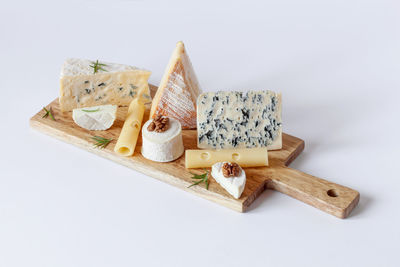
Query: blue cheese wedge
{"x": 227, "y": 120}
{"x": 234, "y": 184}
{"x": 86, "y": 83}
{"x": 96, "y": 118}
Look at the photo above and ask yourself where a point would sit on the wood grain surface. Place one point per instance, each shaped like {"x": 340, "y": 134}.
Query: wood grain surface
{"x": 329, "y": 197}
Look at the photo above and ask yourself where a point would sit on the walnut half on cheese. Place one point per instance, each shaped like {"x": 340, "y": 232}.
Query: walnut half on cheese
{"x": 86, "y": 83}
{"x": 233, "y": 184}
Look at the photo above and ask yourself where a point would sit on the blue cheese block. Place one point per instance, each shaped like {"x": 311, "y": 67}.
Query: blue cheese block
{"x": 227, "y": 120}
{"x": 86, "y": 83}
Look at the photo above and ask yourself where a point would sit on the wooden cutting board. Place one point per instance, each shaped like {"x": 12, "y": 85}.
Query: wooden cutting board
{"x": 329, "y": 197}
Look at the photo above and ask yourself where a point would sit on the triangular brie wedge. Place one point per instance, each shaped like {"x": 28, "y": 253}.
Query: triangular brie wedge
{"x": 178, "y": 91}
{"x": 234, "y": 185}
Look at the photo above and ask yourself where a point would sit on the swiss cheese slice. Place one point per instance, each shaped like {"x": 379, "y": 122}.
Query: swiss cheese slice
{"x": 245, "y": 157}
{"x": 178, "y": 91}
{"x": 128, "y": 137}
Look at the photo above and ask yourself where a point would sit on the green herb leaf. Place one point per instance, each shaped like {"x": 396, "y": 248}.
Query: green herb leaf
{"x": 201, "y": 178}
{"x": 49, "y": 113}
{"x": 90, "y": 110}
{"x": 97, "y": 66}
{"x": 100, "y": 142}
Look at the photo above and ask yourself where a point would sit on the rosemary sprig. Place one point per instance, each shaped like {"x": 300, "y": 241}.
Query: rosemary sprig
{"x": 100, "y": 142}
{"x": 90, "y": 110}
{"x": 49, "y": 113}
{"x": 96, "y": 65}
{"x": 201, "y": 178}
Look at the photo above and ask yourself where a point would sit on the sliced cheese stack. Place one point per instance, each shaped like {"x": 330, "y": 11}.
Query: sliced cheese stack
{"x": 234, "y": 185}
{"x": 95, "y": 118}
{"x": 162, "y": 146}
{"x": 127, "y": 139}
{"x": 86, "y": 83}
{"x": 176, "y": 96}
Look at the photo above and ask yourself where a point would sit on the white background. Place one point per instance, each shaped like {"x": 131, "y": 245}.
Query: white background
{"x": 337, "y": 64}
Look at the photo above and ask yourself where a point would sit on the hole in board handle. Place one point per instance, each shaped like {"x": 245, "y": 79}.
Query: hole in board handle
{"x": 332, "y": 193}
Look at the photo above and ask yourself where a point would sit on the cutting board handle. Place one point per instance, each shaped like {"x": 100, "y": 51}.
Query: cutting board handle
{"x": 332, "y": 198}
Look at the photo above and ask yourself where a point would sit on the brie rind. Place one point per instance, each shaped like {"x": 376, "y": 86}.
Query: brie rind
{"x": 95, "y": 118}
{"x": 164, "y": 146}
{"x": 234, "y": 185}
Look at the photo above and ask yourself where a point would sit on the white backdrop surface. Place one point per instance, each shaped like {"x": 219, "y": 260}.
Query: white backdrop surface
{"x": 337, "y": 64}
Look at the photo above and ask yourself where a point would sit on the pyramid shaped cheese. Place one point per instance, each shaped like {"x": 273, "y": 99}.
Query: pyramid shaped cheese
{"x": 177, "y": 94}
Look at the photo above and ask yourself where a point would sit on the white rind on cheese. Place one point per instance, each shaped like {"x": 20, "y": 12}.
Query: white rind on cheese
{"x": 165, "y": 146}
{"x": 178, "y": 90}
{"x": 234, "y": 185}
{"x": 228, "y": 120}
{"x": 118, "y": 84}
{"x": 95, "y": 118}
{"x": 76, "y": 66}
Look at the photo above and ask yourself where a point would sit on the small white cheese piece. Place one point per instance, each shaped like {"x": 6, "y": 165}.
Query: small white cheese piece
{"x": 95, "y": 118}
{"x": 234, "y": 185}
{"x": 165, "y": 146}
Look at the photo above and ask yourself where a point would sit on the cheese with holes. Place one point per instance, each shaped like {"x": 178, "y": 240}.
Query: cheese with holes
{"x": 176, "y": 96}
{"x": 114, "y": 84}
{"x": 95, "y": 118}
{"x": 164, "y": 146}
{"x": 239, "y": 120}
{"x": 234, "y": 185}
{"x": 128, "y": 137}
{"x": 245, "y": 157}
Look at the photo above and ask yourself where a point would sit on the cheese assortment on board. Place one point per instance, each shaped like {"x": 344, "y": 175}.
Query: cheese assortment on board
{"x": 215, "y": 144}
{"x": 86, "y": 83}
{"x": 178, "y": 91}
{"x": 234, "y": 129}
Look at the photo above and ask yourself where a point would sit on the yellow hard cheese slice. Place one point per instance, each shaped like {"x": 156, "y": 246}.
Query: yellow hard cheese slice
{"x": 130, "y": 131}
{"x": 177, "y": 94}
{"x": 246, "y": 157}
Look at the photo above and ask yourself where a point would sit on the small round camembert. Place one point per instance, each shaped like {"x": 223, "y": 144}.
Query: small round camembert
{"x": 162, "y": 145}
